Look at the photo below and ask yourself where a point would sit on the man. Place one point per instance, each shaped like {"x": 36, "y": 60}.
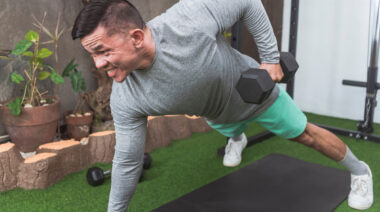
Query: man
{"x": 180, "y": 63}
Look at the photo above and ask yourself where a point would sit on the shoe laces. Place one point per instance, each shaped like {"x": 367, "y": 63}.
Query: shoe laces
{"x": 229, "y": 148}
{"x": 359, "y": 186}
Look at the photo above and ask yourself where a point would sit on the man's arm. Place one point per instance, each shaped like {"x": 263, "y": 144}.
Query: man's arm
{"x": 216, "y": 16}
{"x": 128, "y": 159}
{"x": 226, "y": 13}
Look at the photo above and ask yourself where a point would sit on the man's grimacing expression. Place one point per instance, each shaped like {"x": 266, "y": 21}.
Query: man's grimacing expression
{"x": 117, "y": 54}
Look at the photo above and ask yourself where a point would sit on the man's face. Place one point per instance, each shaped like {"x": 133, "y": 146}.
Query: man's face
{"x": 115, "y": 54}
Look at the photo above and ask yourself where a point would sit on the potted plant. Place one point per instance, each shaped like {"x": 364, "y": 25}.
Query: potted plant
{"x": 78, "y": 121}
{"x": 32, "y": 119}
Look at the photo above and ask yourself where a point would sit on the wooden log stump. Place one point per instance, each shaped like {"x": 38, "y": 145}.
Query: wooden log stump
{"x": 85, "y": 154}
{"x": 157, "y": 133}
{"x": 58, "y": 159}
{"x": 40, "y": 171}
{"x": 198, "y": 124}
{"x": 178, "y": 127}
{"x": 102, "y": 146}
{"x": 68, "y": 152}
{"x": 10, "y": 159}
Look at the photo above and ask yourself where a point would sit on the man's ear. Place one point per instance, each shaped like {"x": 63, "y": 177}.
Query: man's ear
{"x": 137, "y": 36}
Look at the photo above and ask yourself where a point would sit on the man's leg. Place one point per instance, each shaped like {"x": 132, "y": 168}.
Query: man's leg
{"x": 236, "y": 143}
{"x": 285, "y": 119}
{"x": 361, "y": 194}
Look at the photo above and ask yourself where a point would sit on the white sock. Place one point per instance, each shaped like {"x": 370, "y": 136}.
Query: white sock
{"x": 353, "y": 164}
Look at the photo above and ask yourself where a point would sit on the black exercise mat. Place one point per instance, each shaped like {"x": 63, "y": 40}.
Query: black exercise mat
{"x": 275, "y": 183}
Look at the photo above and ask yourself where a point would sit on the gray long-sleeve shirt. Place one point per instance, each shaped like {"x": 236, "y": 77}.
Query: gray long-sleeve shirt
{"x": 194, "y": 72}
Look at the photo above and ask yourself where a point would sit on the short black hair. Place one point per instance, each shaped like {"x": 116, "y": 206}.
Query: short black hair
{"x": 115, "y": 15}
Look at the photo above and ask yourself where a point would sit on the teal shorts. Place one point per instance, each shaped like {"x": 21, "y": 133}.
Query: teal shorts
{"x": 282, "y": 118}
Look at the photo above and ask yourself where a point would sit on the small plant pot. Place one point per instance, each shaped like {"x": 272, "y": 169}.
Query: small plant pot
{"x": 78, "y": 127}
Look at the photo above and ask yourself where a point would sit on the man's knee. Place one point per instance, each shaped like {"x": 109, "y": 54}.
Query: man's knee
{"x": 306, "y": 137}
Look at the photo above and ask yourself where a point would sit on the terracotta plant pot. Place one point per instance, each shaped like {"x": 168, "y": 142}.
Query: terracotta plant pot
{"x": 33, "y": 127}
{"x": 78, "y": 127}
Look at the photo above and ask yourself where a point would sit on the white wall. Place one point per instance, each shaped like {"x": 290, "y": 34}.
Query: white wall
{"x": 332, "y": 45}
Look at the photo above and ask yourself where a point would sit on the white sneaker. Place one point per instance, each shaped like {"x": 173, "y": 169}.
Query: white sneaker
{"x": 233, "y": 150}
{"x": 361, "y": 194}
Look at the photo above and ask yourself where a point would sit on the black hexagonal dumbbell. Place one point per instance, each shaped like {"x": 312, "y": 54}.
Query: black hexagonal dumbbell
{"x": 147, "y": 161}
{"x": 255, "y": 85}
{"x": 96, "y": 176}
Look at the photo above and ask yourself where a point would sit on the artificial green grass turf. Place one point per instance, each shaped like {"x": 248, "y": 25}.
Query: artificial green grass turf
{"x": 183, "y": 167}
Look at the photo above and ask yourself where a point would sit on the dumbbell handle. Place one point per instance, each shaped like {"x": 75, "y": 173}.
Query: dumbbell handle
{"x": 107, "y": 172}
{"x": 291, "y": 63}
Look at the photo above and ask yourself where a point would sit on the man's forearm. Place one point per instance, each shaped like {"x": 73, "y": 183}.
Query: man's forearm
{"x": 258, "y": 24}
{"x": 125, "y": 176}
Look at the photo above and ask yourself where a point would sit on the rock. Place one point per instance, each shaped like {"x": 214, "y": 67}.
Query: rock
{"x": 27, "y": 154}
{"x": 84, "y": 141}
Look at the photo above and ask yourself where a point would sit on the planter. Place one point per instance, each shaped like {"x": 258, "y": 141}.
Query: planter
{"x": 78, "y": 127}
{"x": 33, "y": 127}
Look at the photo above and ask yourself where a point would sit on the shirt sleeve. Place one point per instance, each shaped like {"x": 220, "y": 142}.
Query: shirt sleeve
{"x": 227, "y": 12}
{"x": 128, "y": 158}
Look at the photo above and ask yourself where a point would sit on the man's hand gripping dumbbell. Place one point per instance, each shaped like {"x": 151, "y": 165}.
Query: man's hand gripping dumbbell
{"x": 255, "y": 85}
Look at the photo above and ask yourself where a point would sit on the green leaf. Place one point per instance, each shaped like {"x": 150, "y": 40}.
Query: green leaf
{"x": 43, "y": 75}
{"x": 15, "y": 106}
{"x": 77, "y": 82}
{"x": 17, "y": 78}
{"x": 55, "y": 77}
{"x": 43, "y": 53}
{"x": 21, "y": 47}
{"x": 83, "y": 85}
{"x": 69, "y": 67}
{"x": 28, "y": 54}
{"x": 32, "y": 36}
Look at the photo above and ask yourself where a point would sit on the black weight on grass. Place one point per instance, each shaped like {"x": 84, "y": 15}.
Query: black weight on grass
{"x": 147, "y": 161}
{"x": 96, "y": 176}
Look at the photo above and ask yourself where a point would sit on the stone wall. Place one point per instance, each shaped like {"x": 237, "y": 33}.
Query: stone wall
{"x": 55, "y": 160}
